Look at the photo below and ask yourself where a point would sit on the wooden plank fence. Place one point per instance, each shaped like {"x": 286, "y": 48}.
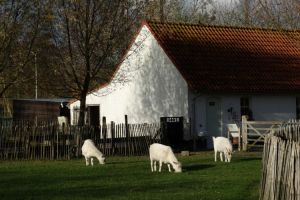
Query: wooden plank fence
{"x": 49, "y": 141}
{"x": 254, "y": 132}
{"x": 281, "y": 164}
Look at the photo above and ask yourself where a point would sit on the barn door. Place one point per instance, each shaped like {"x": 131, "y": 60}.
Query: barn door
{"x": 213, "y": 119}
{"x": 172, "y": 131}
{"x": 93, "y": 115}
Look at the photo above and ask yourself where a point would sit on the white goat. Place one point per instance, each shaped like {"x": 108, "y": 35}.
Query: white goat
{"x": 222, "y": 145}
{"x": 163, "y": 154}
{"x": 89, "y": 151}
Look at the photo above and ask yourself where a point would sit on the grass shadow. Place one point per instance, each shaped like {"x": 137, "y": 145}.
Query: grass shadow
{"x": 196, "y": 167}
{"x": 123, "y": 162}
{"x": 248, "y": 159}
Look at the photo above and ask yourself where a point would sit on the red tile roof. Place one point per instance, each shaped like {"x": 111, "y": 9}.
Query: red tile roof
{"x": 232, "y": 59}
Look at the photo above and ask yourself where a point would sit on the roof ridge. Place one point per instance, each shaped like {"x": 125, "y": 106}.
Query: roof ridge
{"x": 221, "y": 26}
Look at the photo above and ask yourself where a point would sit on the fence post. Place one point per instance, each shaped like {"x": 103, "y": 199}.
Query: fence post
{"x": 104, "y": 133}
{"x": 112, "y": 130}
{"x": 239, "y": 141}
{"x": 244, "y": 133}
{"x": 127, "y": 135}
{"x": 78, "y": 135}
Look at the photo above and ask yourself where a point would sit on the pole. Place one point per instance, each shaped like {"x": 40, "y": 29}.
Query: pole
{"x": 36, "y": 81}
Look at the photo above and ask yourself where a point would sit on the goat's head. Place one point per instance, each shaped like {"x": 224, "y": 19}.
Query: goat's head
{"x": 228, "y": 154}
{"x": 101, "y": 159}
{"x": 177, "y": 167}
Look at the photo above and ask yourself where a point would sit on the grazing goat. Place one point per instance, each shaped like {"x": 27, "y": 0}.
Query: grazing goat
{"x": 163, "y": 154}
{"x": 89, "y": 151}
{"x": 222, "y": 145}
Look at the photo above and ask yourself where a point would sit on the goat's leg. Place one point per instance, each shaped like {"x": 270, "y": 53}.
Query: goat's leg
{"x": 160, "y": 164}
{"x": 221, "y": 156}
{"x": 169, "y": 167}
{"x": 216, "y": 156}
{"x": 92, "y": 161}
{"x": 154, "y": 165}
{"x": 87, "y": 161}
{"x": 151, "y": 164}
{"x": 226, "y": 154}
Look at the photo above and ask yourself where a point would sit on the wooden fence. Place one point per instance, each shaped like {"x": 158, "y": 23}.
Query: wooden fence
{"x": 254, "y": 132}
{"x": 281, "y": 164}
{"x": 49, "y": 141}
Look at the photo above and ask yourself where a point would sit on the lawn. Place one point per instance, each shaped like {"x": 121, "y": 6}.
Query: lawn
{"x": 131, "y": 178}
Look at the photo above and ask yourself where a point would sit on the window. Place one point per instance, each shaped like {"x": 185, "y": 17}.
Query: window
{"x": 298, "y": 108}
{"x": 211, "y": 103}
{"x": 76, "y": 111}
{"x": 245, "y": 107}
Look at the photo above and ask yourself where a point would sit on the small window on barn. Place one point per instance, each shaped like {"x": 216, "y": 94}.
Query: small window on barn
{"x": 245, "y": 107}
{"x": 298, "y": 108}
{"x": 211, "y": 103}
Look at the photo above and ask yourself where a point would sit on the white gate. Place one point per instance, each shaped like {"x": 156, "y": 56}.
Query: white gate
{"x": 254, "y": 132}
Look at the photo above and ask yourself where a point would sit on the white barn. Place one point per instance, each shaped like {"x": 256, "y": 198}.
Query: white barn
{"x": 210, "y": 75}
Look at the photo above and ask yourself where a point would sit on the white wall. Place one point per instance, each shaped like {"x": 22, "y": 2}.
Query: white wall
{"x": 268, "y": 108}
{"x": 227, "y": 102}
{"x": 264, "y": 107}
{"x": 146, "y": 87}
{"x": 200, "y": 114}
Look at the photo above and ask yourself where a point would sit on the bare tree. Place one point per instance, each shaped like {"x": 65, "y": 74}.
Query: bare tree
{"x": 278, "y": 13}
{"x": 90, "y": 36}
{"x": 275, "y": 14}
{"x": 19, "y": 25}
{"x": 193, "y": 11}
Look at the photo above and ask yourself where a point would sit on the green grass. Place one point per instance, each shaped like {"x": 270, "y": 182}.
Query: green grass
{"x": 131, "y": 178}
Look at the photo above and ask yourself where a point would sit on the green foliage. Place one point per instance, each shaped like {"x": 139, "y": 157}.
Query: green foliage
{"x": 131, "y": 178}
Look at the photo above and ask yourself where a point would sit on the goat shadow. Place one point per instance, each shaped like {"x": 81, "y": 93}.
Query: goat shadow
{"x": 248, "y": 159}
{"x": 196, "y": 167}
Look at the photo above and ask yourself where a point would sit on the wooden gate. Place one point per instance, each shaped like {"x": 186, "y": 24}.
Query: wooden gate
{"x": 254, "y": 132}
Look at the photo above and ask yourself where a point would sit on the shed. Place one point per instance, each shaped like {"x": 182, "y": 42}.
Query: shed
{"x": 39, "y": 109}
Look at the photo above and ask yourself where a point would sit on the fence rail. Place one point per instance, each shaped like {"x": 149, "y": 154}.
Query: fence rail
{"x": 51, "y": 141}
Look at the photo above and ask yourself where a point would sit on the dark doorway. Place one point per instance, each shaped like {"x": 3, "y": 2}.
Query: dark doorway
{"x": 64, "y": 111}
{"x": 93, "y": 118}
{"x": 172, "y": 132}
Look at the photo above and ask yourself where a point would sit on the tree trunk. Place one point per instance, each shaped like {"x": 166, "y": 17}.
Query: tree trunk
{"x": 247, "y": 12}
{"x": 162, "y": 10}
{"x": 83, "y": 95}
{"x": 82, "y": 109}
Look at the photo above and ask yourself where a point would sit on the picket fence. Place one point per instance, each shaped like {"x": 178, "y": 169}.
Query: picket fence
{"x": 281, "y": 163}
{"x": 48, "y": 140}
